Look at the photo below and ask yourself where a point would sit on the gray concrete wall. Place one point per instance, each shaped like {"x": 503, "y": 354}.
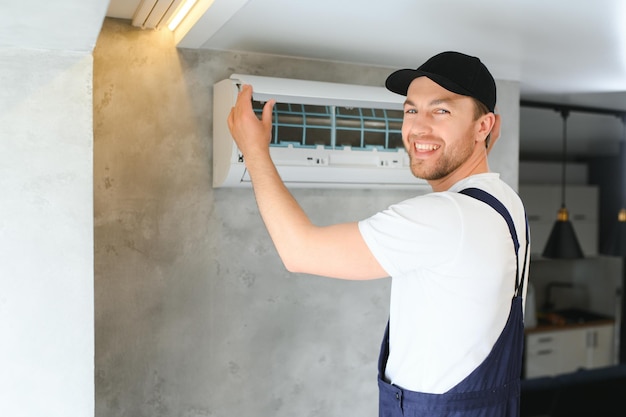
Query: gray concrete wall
{"x": 46, "y": 234}
{"x": 195, "y": 315}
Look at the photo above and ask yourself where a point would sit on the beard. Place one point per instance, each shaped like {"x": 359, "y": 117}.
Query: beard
{"x": 447, "y": 163}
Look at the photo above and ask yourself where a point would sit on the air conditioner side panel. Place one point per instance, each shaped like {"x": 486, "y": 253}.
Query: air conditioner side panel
{"x": 228, "y": 167}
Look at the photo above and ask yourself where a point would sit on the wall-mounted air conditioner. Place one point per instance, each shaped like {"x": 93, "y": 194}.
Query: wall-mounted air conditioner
{"x": 324, "y": 135}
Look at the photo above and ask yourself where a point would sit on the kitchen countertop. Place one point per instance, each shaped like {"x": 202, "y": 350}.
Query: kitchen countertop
{"x": 549, "y": 327}
{"x": 566, "y": 319}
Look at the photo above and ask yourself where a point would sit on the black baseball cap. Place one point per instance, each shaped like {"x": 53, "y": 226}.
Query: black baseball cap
{"x": 454, "y": 71}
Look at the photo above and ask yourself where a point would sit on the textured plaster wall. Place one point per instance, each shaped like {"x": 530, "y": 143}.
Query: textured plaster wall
{"x": 195, "y": 315}
{"x": 46, "y": 234}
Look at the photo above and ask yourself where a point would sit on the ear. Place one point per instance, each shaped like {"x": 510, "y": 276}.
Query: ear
{"x": 495, "y": 132}
{"x": 483, "y": 126}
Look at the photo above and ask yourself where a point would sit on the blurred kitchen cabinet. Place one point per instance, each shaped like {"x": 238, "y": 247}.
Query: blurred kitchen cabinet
{"x": 553, "y": 352}
{"x": 542, "y": 203}
{"x": 600, "y": 342}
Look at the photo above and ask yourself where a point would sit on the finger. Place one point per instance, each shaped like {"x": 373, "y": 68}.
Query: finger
{"x": 235, "y": 111}
{"x": 267, "y": 113}
{"x": 245, "y": 94}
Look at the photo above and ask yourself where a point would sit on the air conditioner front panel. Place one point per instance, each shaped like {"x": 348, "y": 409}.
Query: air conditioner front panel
{"x": 287, "y": 90}
{"x": 345, "y": 177}
{"x": 323, "y": 135}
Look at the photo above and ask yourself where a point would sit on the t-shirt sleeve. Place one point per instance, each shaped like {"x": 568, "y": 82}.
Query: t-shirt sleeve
{"x": 422, "y": 232}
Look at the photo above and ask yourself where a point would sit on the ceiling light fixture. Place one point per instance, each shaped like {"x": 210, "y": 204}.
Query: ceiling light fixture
{"x": 155, "y": 14}
{"x": 181, "y": 14}
{"x": 562, "y": 242}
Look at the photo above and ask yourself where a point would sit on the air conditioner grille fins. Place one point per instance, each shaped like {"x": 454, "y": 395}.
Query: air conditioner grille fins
{"x": 333, "y": 127}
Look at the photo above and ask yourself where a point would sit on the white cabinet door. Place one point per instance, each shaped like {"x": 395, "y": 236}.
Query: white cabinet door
{"x": 542, "y": 202}
{"x": 557, "y": 352}
{"x": 600, "y": 346}
{"x": 553, "y": 353}
{"x": 573, "y": 350}
{"x": 582, "y": 203}
{"x": 540, "y": 354}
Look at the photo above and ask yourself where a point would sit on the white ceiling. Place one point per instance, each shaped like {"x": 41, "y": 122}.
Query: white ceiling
{"x": 556, "y": 46}
{"x": 561, "y": 51}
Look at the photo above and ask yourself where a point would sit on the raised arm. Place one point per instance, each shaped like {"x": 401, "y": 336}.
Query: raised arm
{"x": 336, "y": 251}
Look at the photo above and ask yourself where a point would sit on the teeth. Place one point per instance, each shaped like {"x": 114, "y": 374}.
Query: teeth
{"x": 426, "y": 147}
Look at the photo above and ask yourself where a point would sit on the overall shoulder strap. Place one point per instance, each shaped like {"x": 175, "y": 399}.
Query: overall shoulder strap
{"x": 489, "y": 199}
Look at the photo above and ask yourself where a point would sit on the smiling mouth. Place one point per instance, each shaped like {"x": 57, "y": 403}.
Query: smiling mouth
{"x": 426, "y": 147}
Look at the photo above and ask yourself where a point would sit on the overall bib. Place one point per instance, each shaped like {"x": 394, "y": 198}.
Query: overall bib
{"x": 490, "y": 390}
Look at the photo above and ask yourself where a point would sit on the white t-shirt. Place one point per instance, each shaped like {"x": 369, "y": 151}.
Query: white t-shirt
{"x": 452, "y": 263}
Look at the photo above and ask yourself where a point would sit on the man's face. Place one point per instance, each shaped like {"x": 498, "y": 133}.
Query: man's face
{"x": 438, "y": 130}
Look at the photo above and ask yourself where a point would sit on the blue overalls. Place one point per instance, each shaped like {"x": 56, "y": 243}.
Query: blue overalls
{"x": 493, "y": 388}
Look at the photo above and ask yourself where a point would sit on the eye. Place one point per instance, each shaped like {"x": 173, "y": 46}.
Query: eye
{"x": 442, "y": 111}
{"x": 410, "y": 111}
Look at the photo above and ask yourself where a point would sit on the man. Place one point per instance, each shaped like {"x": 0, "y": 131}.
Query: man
{"x": 454, "y": 340}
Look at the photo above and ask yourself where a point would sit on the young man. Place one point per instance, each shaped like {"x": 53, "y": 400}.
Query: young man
{"x": 453, "y": 345}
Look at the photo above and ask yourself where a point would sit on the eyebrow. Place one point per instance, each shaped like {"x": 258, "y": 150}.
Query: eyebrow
{"x": 434, "y": 102}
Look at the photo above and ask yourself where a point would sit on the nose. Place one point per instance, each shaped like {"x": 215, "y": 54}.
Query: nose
{"x": 416, "y": 124}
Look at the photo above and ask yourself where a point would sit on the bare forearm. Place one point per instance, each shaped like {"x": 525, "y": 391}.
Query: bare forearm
{"x": 285, "y": 220}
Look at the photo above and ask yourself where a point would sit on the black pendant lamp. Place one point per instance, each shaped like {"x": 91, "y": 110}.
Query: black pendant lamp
{"x": 616, "y": 245}
{"x": 562, "y": 242}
